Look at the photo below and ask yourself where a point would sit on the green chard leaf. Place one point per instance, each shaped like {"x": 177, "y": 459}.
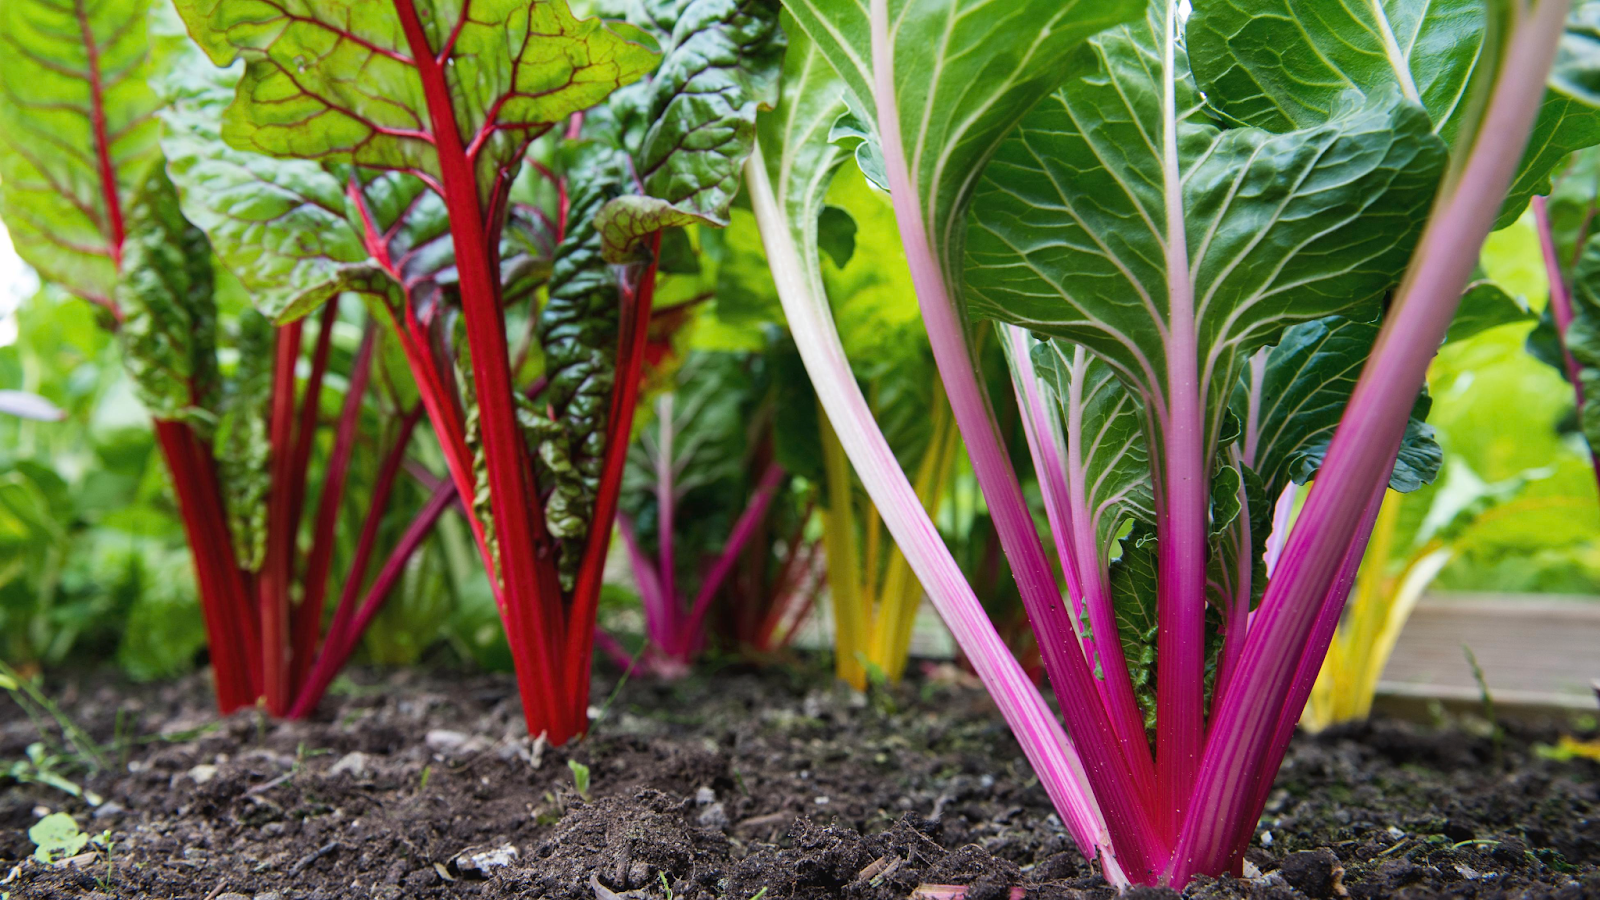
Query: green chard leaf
{"x": 1240, "y": 533}
{"x": 295, "y": 232}
{"x": 720, "y": 65}
{"x": 1291, "y": 397}
{"x": 1486, "y": 304}
{"x": 1287, "y": 64}
{"x": 1072, "y": 237}
{"x": 169, "y": 326}
{"x": 244, "y": 448}
{"x": 279, "y": 225}
{"x": 77, "y": 135}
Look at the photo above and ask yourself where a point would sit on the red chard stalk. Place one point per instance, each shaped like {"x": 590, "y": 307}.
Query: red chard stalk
{"x": 397, "y": 167}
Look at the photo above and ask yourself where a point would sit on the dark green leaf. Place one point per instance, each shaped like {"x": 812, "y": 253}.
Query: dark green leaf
{"x": 1133, "y": 594}
{"x": 836, "y": 235}
{"x": 168, "y": 331}
{"x": 1486, "y": 305}
{"x": 720, "y": 65}
{"x": 1285, "y": 64}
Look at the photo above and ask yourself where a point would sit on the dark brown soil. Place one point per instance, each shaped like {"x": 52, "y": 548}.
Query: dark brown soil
{"x": 732, "y": 784}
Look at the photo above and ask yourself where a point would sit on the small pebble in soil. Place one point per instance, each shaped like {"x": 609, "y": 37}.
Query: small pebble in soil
{"x": 1312, "y": 872}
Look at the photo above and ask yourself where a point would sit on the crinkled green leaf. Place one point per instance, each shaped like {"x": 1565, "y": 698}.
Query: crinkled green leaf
{"x": 169, "y": 325}
{"x": 1104, "y": 438}
{"x": 77, "y": 134}
{"x": 1286, "y": 64}
{"x": 1292, "y": 396}
{"x": 1072, "y": 235}
{"x": 577, "y": 327}
{"x": 335, "y": 80}
{"x": 720, "y": 64}
{"x": 243, "y": 447}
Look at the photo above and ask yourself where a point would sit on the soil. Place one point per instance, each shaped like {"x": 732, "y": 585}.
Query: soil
{"x": 736, "y": 784}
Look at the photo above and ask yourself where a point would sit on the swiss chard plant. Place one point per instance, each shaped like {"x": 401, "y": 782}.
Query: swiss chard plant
{"x": 1189, "y": 250}
{"x": 699, "y": 493}
{"x": 89, "y": 203}
{"x": 464, "y": 158}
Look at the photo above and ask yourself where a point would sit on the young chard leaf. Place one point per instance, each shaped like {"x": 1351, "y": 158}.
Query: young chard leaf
{"x": 1291, "y": 397}
{"x": 1286, "y": 64}
{"x": 78, "y": 129}
{"x": 1133, "y": 594}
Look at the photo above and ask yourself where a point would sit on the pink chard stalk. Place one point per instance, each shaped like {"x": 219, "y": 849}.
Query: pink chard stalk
{"x": 1187, "y": 289}
{"x": 691, "y": 464}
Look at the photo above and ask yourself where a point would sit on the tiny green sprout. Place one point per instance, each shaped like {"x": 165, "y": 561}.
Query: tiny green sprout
{"x": 664, "y": 885}
{"x": 7, "y": 683}
{"x": 57, "y": 837}
{"x": 580, "y": 777}
{"x": 426, "y": 771}
{"x": 759, "y": 894}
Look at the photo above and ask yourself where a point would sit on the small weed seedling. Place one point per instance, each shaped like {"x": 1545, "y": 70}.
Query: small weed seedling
{"x": 580, "y": 778}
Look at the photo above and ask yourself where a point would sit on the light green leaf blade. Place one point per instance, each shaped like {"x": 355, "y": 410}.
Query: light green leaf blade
{"x": 279, "y": 225}
{"x": 77, "y": 134}
{"x": 1072, "y": 236}
{"x": 800, "y": 157}
{"x": 337, "y": 80}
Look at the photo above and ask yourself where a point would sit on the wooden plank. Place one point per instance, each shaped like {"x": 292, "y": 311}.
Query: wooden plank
{"x": 1533, "y": 649}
